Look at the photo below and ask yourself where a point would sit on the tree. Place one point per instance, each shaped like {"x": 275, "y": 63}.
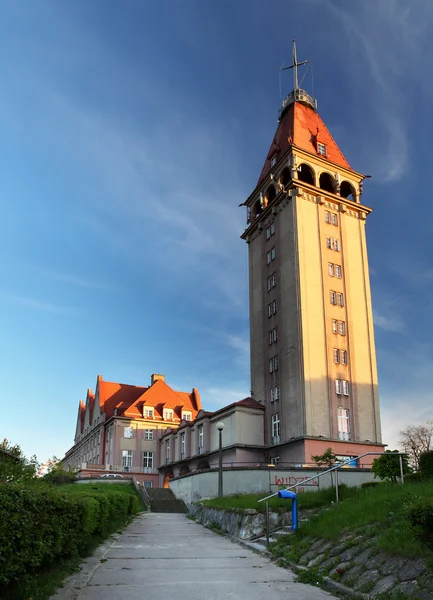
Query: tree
{"x": 415, "y": 440}
{"x": 56, "y": 473}
{"x": 327, "y": 459}
{"x": 14, "y": 466}
{"x": 387, "y": 466}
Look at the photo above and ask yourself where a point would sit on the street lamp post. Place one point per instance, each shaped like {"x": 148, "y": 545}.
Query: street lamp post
{"x": 220, "y": 427}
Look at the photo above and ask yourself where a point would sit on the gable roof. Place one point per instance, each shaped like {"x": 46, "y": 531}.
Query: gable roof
{"x": 301, "y": 126}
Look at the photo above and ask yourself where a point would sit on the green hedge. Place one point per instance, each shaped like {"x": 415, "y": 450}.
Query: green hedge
{"x": 426, "y": 464}
{"x": 421, "y": 517}
{"x": 41, "y": 522}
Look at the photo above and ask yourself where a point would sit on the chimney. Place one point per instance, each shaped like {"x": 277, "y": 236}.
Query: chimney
{"x": 155, "y": 377}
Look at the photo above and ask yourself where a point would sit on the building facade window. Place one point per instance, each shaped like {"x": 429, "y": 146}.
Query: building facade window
{"x": 331, "y": 269}
{"x": 334, "y": 219}
{"x": 147, "y": 484}
{"x": 182, "y": 445}
{"x": 274, "y": 307}
{"x": 336, "y": 245}
{"x": 128, "y": 432}
{"x": 344, "y": 357}
{"x": 148, "y": 412}
{"x": 340, "y": 299}
{"x": 126, "y": 460}
{"x": 338, "y": 271}
{"x": 186, "y": 415}
{"x": 275, "y": 423}
{"x": 336, "y": 355}
{"x": 329, "y": 243}
{"x": 345, "y": 387}
{"x": 272, "y": 281}
{"x": 327, "y": 216}
{"x": 342, "y": 328}
{"x": 338, "y": 387}
{"x": 343, "y": 424}
{"x": 167, "y": 451}
{"x": 334, "y": 326}
{"x": 147, "y": 462}
{"x": 168, "y": 414}
{"x": 148, "y": 434}
{"x": 333, "y": 297}
{"x": 273, "y": 253}
{"x": 200, "y": 439}
{"x": 273, "y": 336}
{"x": 270, "y": 310}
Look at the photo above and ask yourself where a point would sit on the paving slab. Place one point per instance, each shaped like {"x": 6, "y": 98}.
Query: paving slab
{"x": 167, "y": 555}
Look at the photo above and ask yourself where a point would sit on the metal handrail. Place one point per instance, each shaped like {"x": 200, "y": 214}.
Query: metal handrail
{"x": 338, "y": 466}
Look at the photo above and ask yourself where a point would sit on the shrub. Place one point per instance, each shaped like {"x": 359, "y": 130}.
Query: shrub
{"x": 413, "y": 477}
{"x": 426, "y": 464}
{"x": 40, "y": 522}
{"x": 421, "y": 517}
{"x": 368, "y": 484}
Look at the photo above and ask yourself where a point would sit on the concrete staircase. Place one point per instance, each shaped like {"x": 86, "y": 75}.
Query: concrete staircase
{"x": 163, "y": 500}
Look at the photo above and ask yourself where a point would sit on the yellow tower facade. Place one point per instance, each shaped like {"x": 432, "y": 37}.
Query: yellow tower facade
{"x": 313, "y": 360}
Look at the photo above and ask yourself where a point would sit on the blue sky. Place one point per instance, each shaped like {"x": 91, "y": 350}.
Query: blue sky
{"x": 131, "y": 132}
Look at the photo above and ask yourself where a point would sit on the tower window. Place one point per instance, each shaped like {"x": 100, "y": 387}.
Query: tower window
{"x": 337, "y": 245}
{"x": 273, "y": 253}
{"x": 338, "y": 386}
{"x": 275, "y": 393}
{"x": 274, "y": 307}
{"x": 331, "y": 269}
{"x": 273, "y": 336}
{"x": 344, "y": 357}
{"x": 334, "y": 219}
{"x": 333, "y": 297}
{"x": 342, "y": 328}
{"x": 327, "y": 216}
{"x": 338, "y": 271}
{"x": 273, "y": 364}
{"x": 336, "y": 355}
{"x": 275, "y": 421}
{"x": 340, "y": 299}
{"x": 347, "y": 190}
{"x": 343, "y": 425}
{"x": 334, "y": 326}
{"x": 270, "y": 230}
{"x": 345, "y": 387}
{"x": 329, "y": 243}
{"x": 321, "y": 149}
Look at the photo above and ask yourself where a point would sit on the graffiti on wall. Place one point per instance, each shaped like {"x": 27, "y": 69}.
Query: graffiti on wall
{"x": 292, "y": 480}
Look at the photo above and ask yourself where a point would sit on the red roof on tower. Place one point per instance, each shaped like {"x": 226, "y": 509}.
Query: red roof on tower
{"x": 302, "y": 126}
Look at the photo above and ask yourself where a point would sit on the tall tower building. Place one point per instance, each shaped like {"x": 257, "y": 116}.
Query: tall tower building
{"x": 313, "y": 359}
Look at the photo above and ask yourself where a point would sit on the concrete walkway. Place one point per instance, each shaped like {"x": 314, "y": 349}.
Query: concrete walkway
{"x": 161, "y": 556}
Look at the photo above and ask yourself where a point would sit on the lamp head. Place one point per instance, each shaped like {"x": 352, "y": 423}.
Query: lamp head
{"x": 220, "y": 425}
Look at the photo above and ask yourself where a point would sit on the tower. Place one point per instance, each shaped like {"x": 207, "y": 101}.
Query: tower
{"x": 313, "y": 361}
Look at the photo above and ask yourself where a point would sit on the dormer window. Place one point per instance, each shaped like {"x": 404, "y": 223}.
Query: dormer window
{"x": 168, "y": 414}
{"x": 186, "y": 415}
{"x": 273, "y": 161}
{"x": 148, "y": 412}
{"x": 321, "y": 149}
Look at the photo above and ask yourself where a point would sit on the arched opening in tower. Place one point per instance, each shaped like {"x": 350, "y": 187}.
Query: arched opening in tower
{"x": 257, "y": 209}
{"x": 326, "y": 182}
{"x": 270, "y": 193}
{"x": 305, "y": 173}
{"x": 347, "y": 190}
{"x": 285, "y": 176}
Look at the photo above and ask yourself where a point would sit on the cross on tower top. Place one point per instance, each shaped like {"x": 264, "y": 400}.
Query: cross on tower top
{"x": 295, "y": 64}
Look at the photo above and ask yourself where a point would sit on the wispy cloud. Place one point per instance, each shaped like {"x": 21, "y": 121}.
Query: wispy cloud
{"x": 217, "y": 397}
{"x": 400, "y": 411}
{"x": 34, "y": 303}
{"x": 389, "y": 323}
{"x": 386, "y": 38}
{"x": 69, "y": 279}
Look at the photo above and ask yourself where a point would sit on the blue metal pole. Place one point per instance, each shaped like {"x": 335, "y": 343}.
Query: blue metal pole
{"x": 294, "y": 514}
